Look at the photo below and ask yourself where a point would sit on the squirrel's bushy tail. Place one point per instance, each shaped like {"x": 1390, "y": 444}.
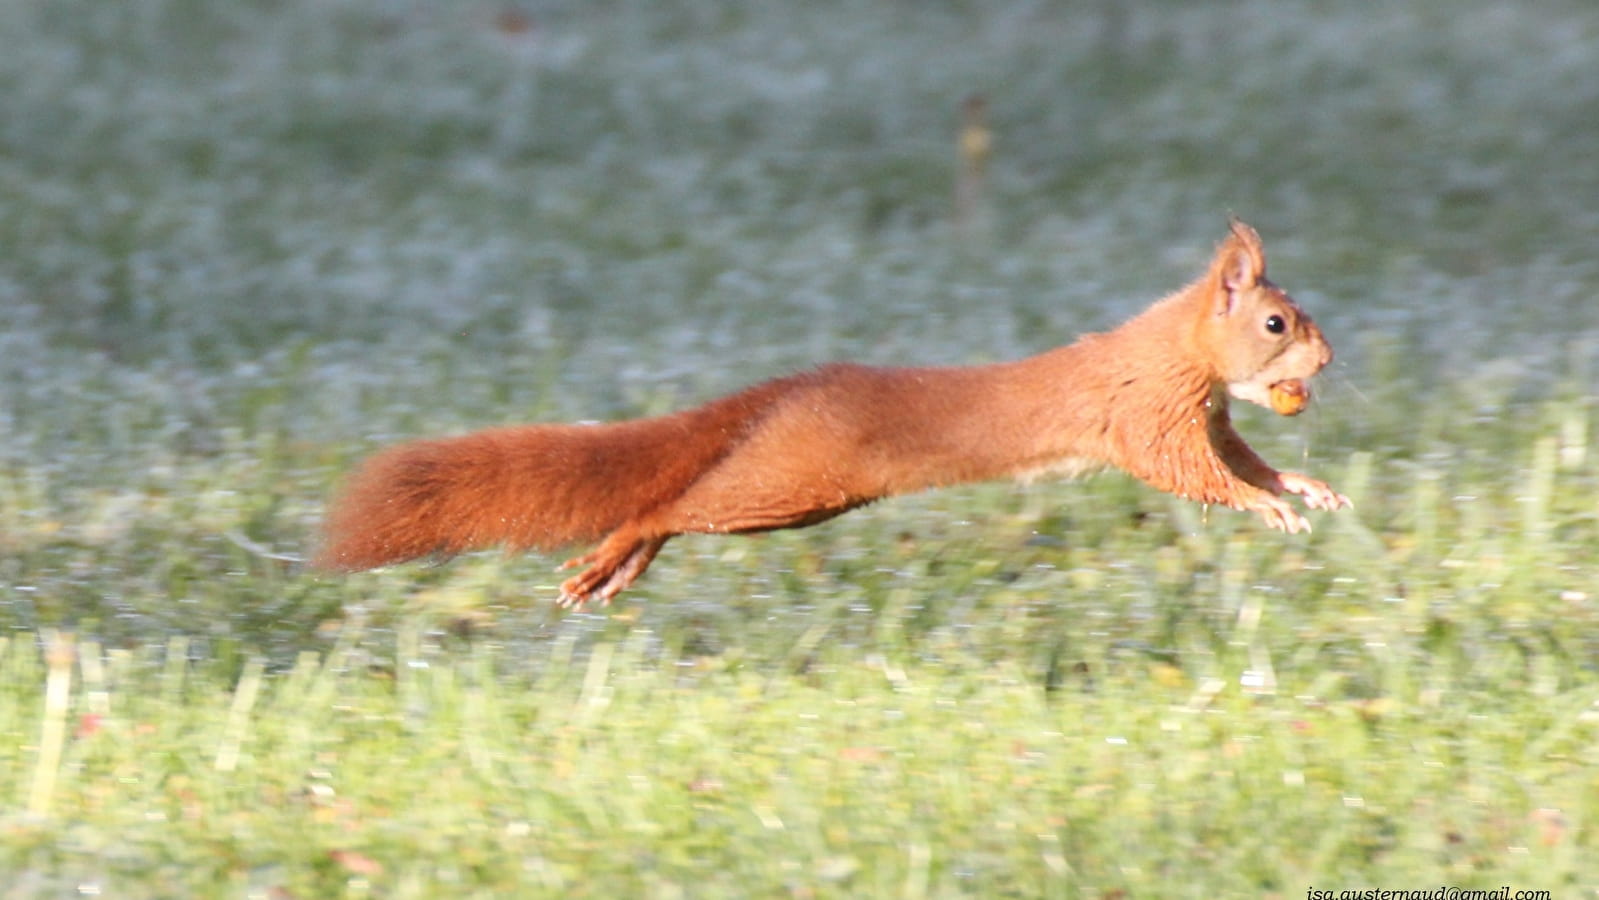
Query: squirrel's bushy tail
{"x": 532, "y": 486}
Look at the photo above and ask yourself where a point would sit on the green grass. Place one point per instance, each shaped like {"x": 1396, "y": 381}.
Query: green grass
{"x": 611, "y": 775}
{"x": 246, "y": 243}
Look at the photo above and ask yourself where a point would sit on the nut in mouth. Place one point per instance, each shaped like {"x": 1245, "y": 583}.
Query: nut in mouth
{"x": 1290, "y": 397}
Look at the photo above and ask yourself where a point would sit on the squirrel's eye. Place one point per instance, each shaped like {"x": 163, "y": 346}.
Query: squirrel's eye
{"x": 1275, "y": 324}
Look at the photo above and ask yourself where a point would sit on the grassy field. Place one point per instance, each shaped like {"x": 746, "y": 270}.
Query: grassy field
{"x": 243, "y": 244}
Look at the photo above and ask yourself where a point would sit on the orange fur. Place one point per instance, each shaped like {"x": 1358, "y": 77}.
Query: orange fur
{"x": 1149, "y": 397}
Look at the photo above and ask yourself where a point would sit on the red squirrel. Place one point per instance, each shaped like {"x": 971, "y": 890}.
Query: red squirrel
{"x": 1149, "y": 397}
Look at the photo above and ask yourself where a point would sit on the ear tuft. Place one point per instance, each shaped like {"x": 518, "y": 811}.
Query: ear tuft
{"x": 1241, "y": 260}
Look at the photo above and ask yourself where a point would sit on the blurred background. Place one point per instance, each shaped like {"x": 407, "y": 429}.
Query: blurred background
{"x": 245, "y": 243}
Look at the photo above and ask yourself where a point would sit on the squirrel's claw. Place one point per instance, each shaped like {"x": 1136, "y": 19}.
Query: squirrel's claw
{"x": 1281, "y": 516}
{"x": 1317, "y": 494}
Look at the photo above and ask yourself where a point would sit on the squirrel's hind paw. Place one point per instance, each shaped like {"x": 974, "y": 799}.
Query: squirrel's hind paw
{"x": 612, "y": 566}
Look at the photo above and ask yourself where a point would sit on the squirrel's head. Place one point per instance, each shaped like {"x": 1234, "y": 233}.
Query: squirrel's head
{"x": 1259, "y": 337}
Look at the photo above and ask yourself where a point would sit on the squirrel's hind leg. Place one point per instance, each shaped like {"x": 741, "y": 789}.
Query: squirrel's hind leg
{"x": 616, "y": 563}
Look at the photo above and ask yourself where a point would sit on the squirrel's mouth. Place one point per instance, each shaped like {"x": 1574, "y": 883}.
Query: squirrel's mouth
{"x": 1288, "y": 397}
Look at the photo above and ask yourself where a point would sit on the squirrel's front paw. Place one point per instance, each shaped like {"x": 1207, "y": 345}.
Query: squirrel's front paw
{"x": 1317, "y": 494}
{"x": 1279, "y": 515}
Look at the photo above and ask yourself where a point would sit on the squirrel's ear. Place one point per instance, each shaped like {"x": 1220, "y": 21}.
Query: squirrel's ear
{"x": 1240, "y": 260}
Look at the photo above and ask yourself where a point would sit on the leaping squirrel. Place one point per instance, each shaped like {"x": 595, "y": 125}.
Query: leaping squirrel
{"x": 1149, "y": 397}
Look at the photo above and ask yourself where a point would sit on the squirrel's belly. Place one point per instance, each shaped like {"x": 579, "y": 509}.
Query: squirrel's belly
{"x": 1065, "y": 467}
